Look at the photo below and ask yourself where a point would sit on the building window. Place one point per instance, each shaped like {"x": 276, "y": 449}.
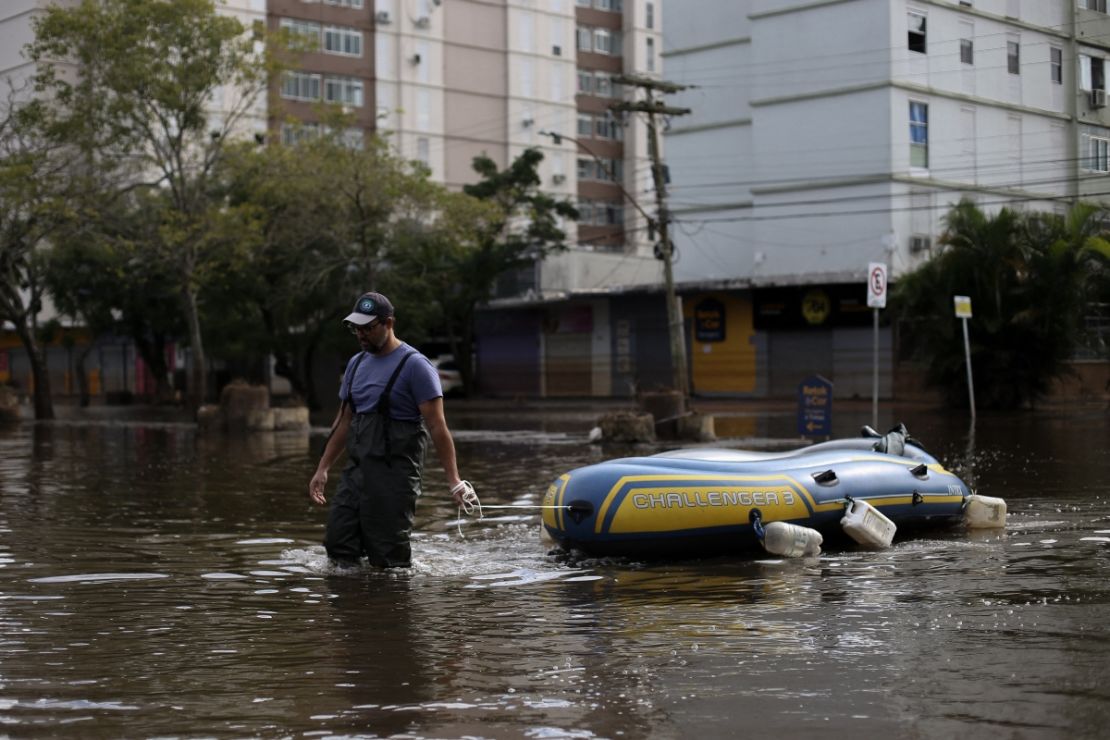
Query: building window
{"x": 603, "y": 85}
{"x": 1056, "y": 64}
{"x": 649, "y": 15}
{"x": 916, "y": 23}
{"x": 919, "y": 134}
{"x": 1099, "y": 5}
{"x": 1013, "y": 57}
{"x": 1098, "y": 154}
{"x": 602, "y": 41}
{"x": 585, "y": 38}
{"x": 293, "y": 133}
{"x": 585, "y": 169}
{"x": 614, "y": 214}
{"x": 585, "y": 124}
{"x": 607, "y": 127}
{"x": 423, "y": 151}
{"x": 1092, "y": 73}
{"x": 610, "y": 170}
{"x": 967, "y": 51}
{"x": 303, "y": 32}
{"x": 356, "y": 4}
{"x": 599, "y": 40}
{"x": 344, "y": 90}
{"x": 650, "y": 53}
{"x": 300, "y": 86}
{"x": 585, "y": 82}
{"x": 345, "y": 41}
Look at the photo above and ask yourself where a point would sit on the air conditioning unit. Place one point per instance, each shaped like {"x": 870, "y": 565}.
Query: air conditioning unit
{"x": 382, "y": 18}
{"x": 558, "y": 179}
{"x": 1098, "y": 98}
{"x": 422, "y": 22}
{"x": 919, "y": 244}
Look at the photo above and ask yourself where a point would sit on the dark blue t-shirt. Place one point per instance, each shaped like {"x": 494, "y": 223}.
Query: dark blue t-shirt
{"x": 417, "y": 383}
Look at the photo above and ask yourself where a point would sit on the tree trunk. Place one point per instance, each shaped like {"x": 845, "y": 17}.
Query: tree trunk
{"x": 461, "y": 340}
{"x": 153, "y": 353}
{"x": 197, "y": 391}
{"x": 83, "y": 376}
{"x": 43, "y": 403}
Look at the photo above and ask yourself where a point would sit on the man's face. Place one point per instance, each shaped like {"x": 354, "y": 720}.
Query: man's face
{"x": 372, "y": 336}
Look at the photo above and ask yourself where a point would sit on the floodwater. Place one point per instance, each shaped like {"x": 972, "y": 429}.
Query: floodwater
{"x": 156, "y": 583}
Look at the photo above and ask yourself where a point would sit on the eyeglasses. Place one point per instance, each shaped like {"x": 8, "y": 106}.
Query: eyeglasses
{"x": 356, "y": 328}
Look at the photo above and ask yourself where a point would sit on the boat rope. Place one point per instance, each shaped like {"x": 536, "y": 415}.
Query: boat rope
{"x": 470, "y": 503}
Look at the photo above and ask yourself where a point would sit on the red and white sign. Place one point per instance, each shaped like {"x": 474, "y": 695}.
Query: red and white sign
{"x": 876, "y": 285}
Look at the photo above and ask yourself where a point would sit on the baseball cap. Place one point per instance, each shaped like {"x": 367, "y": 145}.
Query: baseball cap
{"x": 368, "y": 307}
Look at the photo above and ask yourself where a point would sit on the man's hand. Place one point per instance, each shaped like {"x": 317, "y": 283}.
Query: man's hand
{"x": 460, "y": 491}
{"x": 316, "y": 487}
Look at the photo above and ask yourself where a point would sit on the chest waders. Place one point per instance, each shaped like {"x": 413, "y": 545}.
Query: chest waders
{"x": 375, "y": 504}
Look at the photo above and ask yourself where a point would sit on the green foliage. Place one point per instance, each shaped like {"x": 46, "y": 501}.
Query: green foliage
{"x": 131, "y": 85}
{"x": 1030, "y": 279}
{"x": 326, "y": 219}
{"x": 497, "y": 225}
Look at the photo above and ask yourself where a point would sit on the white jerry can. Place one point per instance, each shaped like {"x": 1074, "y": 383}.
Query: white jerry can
{"x": 867, "y": 525}
{"x": 984, "y": 512}
{"x": 791, "y": 540}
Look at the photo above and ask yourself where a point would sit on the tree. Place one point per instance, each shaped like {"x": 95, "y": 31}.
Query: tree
{"x": 325, "y": 216}
{"x": 460, "y": 256}
{"x": 137, "y": 86}
{"x": 100, "y": 273}
{"x": 1028, "y": 278}
{"x": 32, "y": 196}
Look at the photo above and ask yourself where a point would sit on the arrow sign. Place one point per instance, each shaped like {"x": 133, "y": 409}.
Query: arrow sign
{"x": 815, "y": 407}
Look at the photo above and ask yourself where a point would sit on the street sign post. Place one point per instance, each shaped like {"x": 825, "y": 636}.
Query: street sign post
{"x": 963, "y": 313}
{"x": 876, "y": 299}
{"x": 815, "y": 407}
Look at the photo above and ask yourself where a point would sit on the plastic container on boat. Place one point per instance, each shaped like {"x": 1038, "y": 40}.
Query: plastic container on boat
{"x": 984, "y": 512}
{"x": 791, "y": 540}
{"x": 867, "y": 525}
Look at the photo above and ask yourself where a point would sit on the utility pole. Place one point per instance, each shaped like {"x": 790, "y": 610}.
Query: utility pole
{"x": 654, "y": 107}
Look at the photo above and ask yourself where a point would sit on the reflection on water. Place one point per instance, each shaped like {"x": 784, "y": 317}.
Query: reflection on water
{"x": 156, "y": 583}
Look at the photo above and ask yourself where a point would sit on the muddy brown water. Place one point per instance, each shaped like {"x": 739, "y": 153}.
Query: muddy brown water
{"x": 154, "y": 583}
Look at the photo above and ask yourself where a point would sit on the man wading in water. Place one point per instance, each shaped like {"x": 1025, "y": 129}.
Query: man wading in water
{"x": 391, "y": 401}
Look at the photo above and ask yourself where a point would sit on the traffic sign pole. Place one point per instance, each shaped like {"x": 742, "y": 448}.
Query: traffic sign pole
{"x": 875, "y": 375}
{"x": 876, "y": 299}
{"x": 970, "y": 382}
{"x": 963, "y": 312}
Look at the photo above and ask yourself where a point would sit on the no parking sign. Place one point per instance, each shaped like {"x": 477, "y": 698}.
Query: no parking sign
{"x": 876, "y": 285}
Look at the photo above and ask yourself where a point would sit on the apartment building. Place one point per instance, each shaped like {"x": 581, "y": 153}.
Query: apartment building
{"x": 447, "y": 80}
{"x": 827, "y": 135}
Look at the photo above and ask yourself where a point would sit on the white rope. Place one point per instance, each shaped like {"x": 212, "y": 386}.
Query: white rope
{"x": 468, "y": 502}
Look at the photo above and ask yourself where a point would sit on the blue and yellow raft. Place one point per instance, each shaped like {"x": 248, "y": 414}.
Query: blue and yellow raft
{"x": 711, "y": 501}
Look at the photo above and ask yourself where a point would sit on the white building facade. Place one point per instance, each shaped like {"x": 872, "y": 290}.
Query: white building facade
{"x": 829, "y": 134}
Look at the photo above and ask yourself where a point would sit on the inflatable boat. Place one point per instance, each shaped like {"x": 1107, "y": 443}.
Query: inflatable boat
{"x": 712, "y": 501}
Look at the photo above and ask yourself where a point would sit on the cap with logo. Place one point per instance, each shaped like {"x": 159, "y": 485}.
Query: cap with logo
{"x": 368, "y": 307}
